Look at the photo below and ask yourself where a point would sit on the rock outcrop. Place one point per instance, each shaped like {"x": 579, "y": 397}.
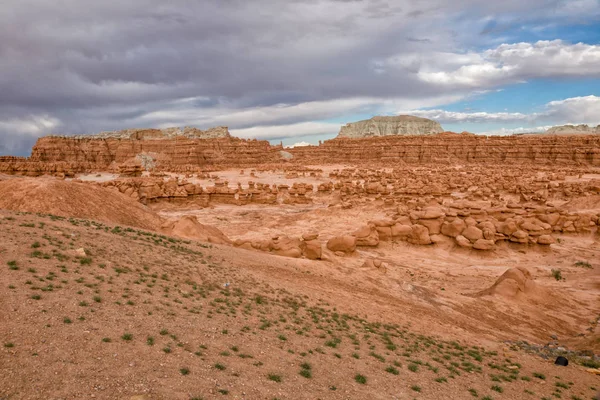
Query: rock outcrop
{"x": 452, "y": 148}
{"x": 573, "y": 129}
{"x": 389, "y": 126}
{"x": 166, "y": 133}
{"x": 150, "y": 149}
{"x": 132, "y": 152}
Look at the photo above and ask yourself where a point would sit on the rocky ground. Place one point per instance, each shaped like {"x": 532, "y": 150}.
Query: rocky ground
{"x": 104, "y": 311}
{"x": 313, "y": 282}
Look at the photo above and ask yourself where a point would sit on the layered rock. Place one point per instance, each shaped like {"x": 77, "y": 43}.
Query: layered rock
{"x": 573, "y": 129}
{"x": 308, "y": 247}
{"x": 153, "y": 189}
{"x": 150, "y": 149}
{"x": 449, "y": 148}
{"x": 166, "y": 133}
{"x": 131, "y": 152}
{"x": 388, "y": 126}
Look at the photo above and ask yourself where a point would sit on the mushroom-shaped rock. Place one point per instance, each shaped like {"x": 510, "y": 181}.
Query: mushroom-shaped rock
{"x": 454, "y": 228}
{"x": 520, "y": 237}
{"x": 419, "y": 235}
{"x": 432, "y": 213}
{"x": 346, "y": 244}
{"x": 507, "y": 228}
{"x": 546, "y": 240}
{"x": 367, "y": 236}
{"x": 473, "y": 233}
{"x": 400, "y": 230}
{"x": 288, "y": 247}
{"x": 463, "y": 241}
{"x": 385, "y": 232}
{"x": 312, "y": 250}
{"x": 310, "y": 236}
{"x": 484, "y": 244}
{"x": 432, "y": 225}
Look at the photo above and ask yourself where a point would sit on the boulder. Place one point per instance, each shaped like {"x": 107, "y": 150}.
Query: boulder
{"x": 432, "y": 213}
{"x": 463, "y": 241}
{"x": 472, "y": 233}
{"x": 310, "y": 236}
{"x": 546, "y": 240}
{"x": 345, "y": 243}
{"x": 287, "y": 247}
{"x": 401, "y": 230}
{"x": 519, "y": 237}
{"x": 419, "y": 235}
{"x": 367, "y": 235}
{"x": 313, "y": 250}
{"x": 432, "y": 225}
{"x": 454, "y": 228}
{"x": 507, "y": 228}
{"x": 484, "y": 244}
{"x": 373, "y": 263}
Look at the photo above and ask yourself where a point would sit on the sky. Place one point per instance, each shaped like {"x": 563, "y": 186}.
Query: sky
{"x": 294, "y": 70}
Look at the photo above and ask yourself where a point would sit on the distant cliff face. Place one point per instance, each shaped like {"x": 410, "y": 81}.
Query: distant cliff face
{"x": 166, "y": 133}
{"x": 390, "y": 126}
{"x": 565, "y": 129}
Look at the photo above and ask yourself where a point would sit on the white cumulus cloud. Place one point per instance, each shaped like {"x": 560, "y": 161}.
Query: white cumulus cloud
{"x": 574, "y": 110}
{"x": 507, "y": 63}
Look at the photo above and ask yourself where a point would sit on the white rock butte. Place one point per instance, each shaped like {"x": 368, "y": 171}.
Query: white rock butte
{"x": 388, "y": 126}
{"x": 584, "y": 129}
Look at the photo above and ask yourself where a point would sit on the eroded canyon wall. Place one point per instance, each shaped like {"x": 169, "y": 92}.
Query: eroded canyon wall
{"x": 454, "y": 148}
{"x": 129, "y": 156}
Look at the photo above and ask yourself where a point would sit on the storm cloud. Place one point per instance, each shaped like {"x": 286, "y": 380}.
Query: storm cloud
{"x": 259, "y": 66}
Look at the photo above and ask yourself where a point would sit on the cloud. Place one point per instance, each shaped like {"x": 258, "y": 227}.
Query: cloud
{"x": 298, "y": 144}
{"x": 17, "y": 135}
{"x": 263, "y": 64}
{"x": 505, "y": 64}
{"x": 574, "y": 110}
{"x": 287, "y": 131}
{"x": 521, "y": 129}
{"x": 443, "y": 116}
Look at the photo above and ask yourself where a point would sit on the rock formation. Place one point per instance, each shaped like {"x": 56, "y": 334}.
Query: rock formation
{"x": 573, "y": 129}
{"x": 151, "y": 148}
{"x": 451, "y": 148}
{"x": 389, "y": 126}
{"x": 132, "y": 152}
{"x": 166, "y": 133}
{"x": 517, "y": 284}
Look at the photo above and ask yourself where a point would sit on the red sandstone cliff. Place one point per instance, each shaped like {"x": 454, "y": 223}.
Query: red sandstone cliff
{"x": 454, "y": 148}
{"x": 69, "y": 155}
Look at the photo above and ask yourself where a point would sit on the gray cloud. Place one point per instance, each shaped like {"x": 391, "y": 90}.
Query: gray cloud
{"x": 91, "y": 66}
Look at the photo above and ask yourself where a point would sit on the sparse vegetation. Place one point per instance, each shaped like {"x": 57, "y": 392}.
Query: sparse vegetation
{"x": 310, "y": 332}
{"x": 583, "y": 264}
{"x": 539, "y": 375}
{"x": 557, "y": 274}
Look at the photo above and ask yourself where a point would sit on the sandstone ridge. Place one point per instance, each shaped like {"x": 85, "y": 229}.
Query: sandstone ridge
{"x": 390, "y": 126}
{"x": 576, "y": 129}
{"x": 166, "y": 133}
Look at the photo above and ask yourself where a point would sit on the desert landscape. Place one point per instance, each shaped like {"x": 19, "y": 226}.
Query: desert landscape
{"x": 395, "y": 261}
